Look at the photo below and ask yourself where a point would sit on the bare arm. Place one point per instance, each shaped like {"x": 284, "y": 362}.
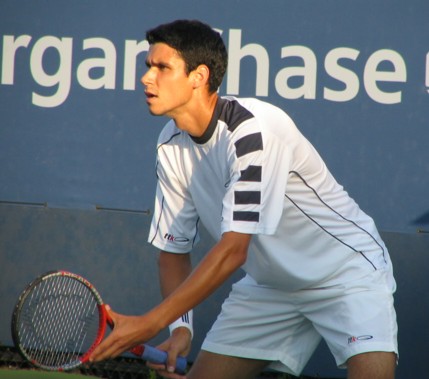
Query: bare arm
{"x": 214, "y": 269}
{"x": 173, "y": 270}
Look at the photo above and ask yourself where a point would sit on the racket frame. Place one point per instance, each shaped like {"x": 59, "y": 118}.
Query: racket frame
{"x": 16, "y": 316}
{"x": 146, "y": 352}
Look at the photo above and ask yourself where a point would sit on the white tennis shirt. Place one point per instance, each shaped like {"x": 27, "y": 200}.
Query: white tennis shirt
{"x": 254, "y": 172}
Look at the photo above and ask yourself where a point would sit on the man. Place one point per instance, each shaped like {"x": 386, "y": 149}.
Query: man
{"x": 316, "y": 265}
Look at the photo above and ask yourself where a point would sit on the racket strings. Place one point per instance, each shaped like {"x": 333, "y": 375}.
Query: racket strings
{"x": 63, "y": 343}
{"x": 59, "y": 322}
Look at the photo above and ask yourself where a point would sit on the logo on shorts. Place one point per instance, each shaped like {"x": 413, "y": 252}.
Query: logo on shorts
{"x": 359, "y": 338}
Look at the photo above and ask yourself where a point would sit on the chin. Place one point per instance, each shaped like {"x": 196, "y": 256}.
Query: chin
{"x": 154, "y": 112}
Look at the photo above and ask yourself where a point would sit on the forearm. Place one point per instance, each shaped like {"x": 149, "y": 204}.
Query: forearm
{"x": 217, "y": 266}
{"x": 221, "y": 261}
{"x": 173, "y": 271}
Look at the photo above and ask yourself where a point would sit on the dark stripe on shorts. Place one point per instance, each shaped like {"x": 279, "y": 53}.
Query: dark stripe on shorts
{"x": 249, "y": 144}
{"x": 246, "y": 216}
{"x": 247, "y": 197}
{"x": 251, "y": 174}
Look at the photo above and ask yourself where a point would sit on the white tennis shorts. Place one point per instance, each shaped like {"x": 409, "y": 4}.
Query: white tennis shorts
{"x": 286, "y": 327}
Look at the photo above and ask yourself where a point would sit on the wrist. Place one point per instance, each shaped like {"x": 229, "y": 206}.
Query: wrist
{"x": 185, "y": 321}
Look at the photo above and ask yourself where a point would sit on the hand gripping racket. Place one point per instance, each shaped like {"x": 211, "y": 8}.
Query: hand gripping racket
{"x": 60, "y": 319}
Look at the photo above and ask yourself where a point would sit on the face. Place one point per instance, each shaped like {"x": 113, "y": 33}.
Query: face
{"x": 167, "y": 87}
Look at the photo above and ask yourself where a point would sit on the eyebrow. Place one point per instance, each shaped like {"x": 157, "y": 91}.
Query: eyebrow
{"x": 156, "y": 64}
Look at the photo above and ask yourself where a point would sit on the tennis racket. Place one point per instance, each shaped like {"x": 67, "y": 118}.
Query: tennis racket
{"x": 60, "y": 319}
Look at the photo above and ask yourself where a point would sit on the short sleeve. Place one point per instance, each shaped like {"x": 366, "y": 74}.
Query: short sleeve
{"x": 254, "y": 202}
{"x": 174, "y": 226}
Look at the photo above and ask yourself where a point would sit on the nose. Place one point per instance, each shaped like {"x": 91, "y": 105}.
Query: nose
{"x": 146, "y": 78}
{"x": 142, "y": 79}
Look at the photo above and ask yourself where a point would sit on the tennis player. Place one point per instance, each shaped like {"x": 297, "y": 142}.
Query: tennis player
{"x": 315, "y": 264}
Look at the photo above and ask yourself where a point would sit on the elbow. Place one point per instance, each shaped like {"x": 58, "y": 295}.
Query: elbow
{"x": 241, "y": 257}
{"x": 238, "y": 245}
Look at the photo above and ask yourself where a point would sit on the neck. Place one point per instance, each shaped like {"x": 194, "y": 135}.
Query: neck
{"x": 196, "y": 120}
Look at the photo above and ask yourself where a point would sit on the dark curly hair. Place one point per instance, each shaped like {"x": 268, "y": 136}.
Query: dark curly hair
{"x": 197, "y": 43}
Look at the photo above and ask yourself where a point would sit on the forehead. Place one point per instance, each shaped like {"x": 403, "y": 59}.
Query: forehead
{"x": 161, "y": 52}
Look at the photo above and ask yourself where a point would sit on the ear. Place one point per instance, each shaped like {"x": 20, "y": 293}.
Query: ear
{"x": 200, "y": 76}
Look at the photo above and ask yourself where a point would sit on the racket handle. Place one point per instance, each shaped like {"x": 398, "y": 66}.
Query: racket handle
{"x": 155, "y": 355}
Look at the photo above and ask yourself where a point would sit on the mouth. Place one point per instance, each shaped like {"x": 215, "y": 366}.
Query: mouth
{"x": 149, "y": 95}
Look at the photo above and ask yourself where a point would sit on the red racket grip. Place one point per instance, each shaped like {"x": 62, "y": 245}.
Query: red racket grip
{"x": 154, "y": 355}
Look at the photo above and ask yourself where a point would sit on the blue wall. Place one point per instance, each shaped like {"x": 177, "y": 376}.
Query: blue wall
{"x": 77, "y": 144}
{"x": 75, "y": 131}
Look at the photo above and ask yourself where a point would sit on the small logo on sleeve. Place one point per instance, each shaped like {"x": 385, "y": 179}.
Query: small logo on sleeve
{"x": 359, "y": 338}
{"x": 169, "y": 237}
